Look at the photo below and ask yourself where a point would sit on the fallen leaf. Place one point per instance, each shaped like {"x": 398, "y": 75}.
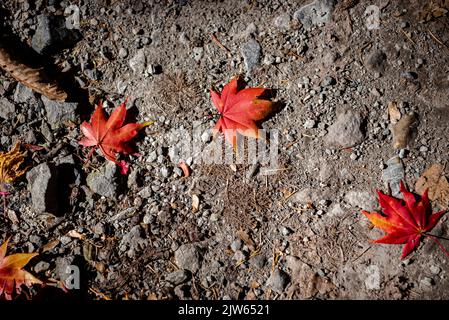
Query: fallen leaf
{"x": 402, "y": 131}
{"x": 34, "y": 78}
{"x": 185, "y": 169}
{"x": 240, "y": 110}
{"x": 12, "y": 277}
{"x": 195, "y": 203}
{"x": 393, "y": 112}
{"x": 110, "y": 135}
{"x": 11, "y": 167}
{"x": 75, "y": 234}
{"x": 435, "y": 181}
{"x": 405, "y": 221}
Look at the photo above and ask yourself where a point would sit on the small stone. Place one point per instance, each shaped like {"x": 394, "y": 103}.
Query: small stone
{"x": 138, "y": 62}
{"x": 309, "y": 124}
{"x": 286, "y": 231}
{"x": 177, "y": 277}
{"x": 316, "y": 13}
{"x": 423, "y": 149}
{"x": 41, "y": 266}
{"x": 278, "y": 281}
{"x": 65, "y": 240}
{"x": 103, "y": 182}
{"x": 43, "y": 185}
{"x": 206, "y": 136}
{"x": 435, "y": 270}
{"x": 100, "y": 228}
{"x": 328, "y": 81}
{"x": 197, "y": 53}
{"x": 282, "y": 21}
{"x": 239, "y": 256}
{"x": 122, "y": 53}
{"x": 258, "y": 261}
{"x": 251, "y": 51}
{"x": 188, "y": 257}
{"x": 346, "y": 131}
{"x": 353, "y": 156}
{"x": 427, "y": 281}
{"x": 269, "y": 59}
{"x": 7, "y": 109}
{"x": 236, "y": 245}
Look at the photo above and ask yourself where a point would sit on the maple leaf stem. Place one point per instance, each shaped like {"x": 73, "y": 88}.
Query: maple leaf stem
{"x": 434, "y": 238}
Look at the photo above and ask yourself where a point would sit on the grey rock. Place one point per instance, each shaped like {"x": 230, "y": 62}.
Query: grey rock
{"x": 178, "y": 277}
{"x": 376, "y": 61}
{"x": 362, "y": 199}
{"x": 138, "y": 62}
{"x": 258, "y": 262}
{"x": 122, "y": 53}
{"x": 435, "y": 270}
{"x": 346, "y": 131}
{"x": 23, "y": 94}
{"x": 64, "y": 268}
{"x": 309, "y": 124}
{"x": 282, "y": 21}
{"x": 316, "y": 13}
{"x": 51, "y": 34}
{"x": 100, "y": 228}
{"x": 285, "y": 231}
{"x": 278, "y": 281}
{"x": 146, "y": 192}
{"x": 104, "y": 182}
{"x": 188, "y": 257}
{"x": 251, "y": 51}
{"x": 7, "y": 109}
{"x": 328, "y": 81}
{"x": 197, "y": 53}
{"x": 43, "y": 185}
{"x": 58, "y": 113}
{"x": 236, "y": 245}
{"x": 41, "y": 266}
{"x": 427, "y": 282}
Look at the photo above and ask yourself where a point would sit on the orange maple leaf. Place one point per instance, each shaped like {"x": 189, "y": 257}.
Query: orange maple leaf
{"x": 12, "y": 277}
{"x": 405, "y": 221}
{"x": 240, "y": 110}
{"x": 110, "y": 135}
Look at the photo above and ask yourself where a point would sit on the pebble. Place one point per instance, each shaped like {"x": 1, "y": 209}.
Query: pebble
{"x": 309, "y": 124}
{"x": 286, "y": 231}
{"x": 138, "y": 62}
{"x": 7, "y": 109}
{"x": 346, "y": 131}
{"x": 60, "y": 113}
{"x": 251, "y": 51}
{"x": 177, "y": 277}
{"x": 236, "y": 245}
{"x": 188, "y": 257}
{"x": 103, "y": 181}
{"x": 123, "y": 53}
{"x": 278, "y": 281}
{"x": 315, "y": 13}
{"x": 41, "y": 266}
{"x": 427, "y": 281}
{"x": 435, "y": 269}
{"x": 365, "y": 200}
{"x": 43, "y": 185}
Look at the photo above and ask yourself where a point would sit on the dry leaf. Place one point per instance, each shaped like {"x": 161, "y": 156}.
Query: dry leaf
{"x": 393, "y": 112}
{"x": 34, "y": 78}
{"x": 246, "y": 238}
{"x": 402, "y": 131}
{"x": 11, "y": 166}
{"x": 195, "y": 203}
{"x": 185, "y": 169}
{"x": 75, "y": 234}
{"x": 434, "y": 180}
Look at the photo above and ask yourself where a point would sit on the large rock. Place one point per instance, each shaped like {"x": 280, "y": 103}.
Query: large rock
{"x": 51, "y": 34}
{"x": 188, "y": 257}
{"x": 316, "y": 13}
{"x": 346, "y": 131}
{"x": 43, "y": 185}
{"x": 103, "y": 182}
{"x": 59, "y": 113}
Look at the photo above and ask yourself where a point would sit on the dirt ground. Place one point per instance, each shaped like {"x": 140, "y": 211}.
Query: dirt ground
{"x": 340, "y": 69}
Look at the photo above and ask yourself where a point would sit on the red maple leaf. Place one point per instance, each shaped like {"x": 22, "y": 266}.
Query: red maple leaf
{"x": 240, "y": 110}
{"x": 12, "y": 277}
{"x": 405, "y": 221}
{"x": 110, "y": 135}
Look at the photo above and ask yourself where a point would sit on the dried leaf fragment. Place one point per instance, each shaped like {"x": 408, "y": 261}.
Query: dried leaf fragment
{"x": 393, "y": 112}
{"x": 434, "y": 180}
{"x": 12, "y": 277}
{"x": 195, "y": 203}
{"x": 34, "y": 78}
{"x": 402, "y": 131}
{"x": 11, "y": 166}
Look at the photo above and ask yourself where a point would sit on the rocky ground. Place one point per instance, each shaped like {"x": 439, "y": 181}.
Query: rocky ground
{"x": 229, "y": 231}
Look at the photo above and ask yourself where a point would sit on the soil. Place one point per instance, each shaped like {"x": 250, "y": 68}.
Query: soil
{"x": 293, "y": 232}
